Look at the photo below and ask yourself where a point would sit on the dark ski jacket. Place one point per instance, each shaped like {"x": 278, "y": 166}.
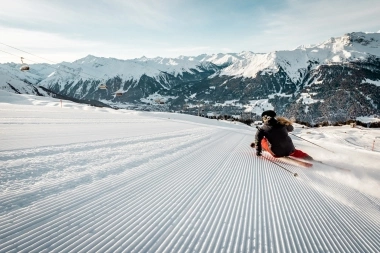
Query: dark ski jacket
{"x": 277, "y": 135}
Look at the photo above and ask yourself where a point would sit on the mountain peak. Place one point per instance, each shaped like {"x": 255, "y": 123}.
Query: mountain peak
{"x": 364, "y": 38}
{"x": 87, "y": 59}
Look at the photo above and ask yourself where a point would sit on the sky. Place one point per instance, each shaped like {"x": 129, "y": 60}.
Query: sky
{"x": 56, "y": 31}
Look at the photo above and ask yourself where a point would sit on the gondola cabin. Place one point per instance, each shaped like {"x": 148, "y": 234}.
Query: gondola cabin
{"x": 24, "y": 66}
{"x": 118, "y": 94}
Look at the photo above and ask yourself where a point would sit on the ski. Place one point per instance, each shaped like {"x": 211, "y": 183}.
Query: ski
{"x": 282, "y": 167}
{"x": 296, "y": 162}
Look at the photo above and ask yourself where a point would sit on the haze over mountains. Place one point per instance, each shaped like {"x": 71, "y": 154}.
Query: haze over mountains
{"x": 333, "y": 81}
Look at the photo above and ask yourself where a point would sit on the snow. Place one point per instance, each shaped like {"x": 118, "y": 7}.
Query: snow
{"x": 156, "y": 98}
{"x": 230, "y": 102}
{"x": 350, "y": 47}
{"x": 377, "y": 82}
{"x": 279, "y": 95}
{"x": 153, "y": 67}
{"x": 85, "y": 179}
{"x": 347, "y": 48}
{"x": 258, "y": 106}
{"x": 368, "y": 119}
{"x": 307, "y": 99}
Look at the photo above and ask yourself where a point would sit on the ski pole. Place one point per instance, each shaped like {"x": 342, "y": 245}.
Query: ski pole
{"x": 311, "y": 142}
{"x": 282, "y": 167}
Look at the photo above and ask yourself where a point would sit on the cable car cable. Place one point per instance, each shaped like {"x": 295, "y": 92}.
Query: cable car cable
{"x": 36, "y": 62}
{"x": 26, "y": 67}
{"x": 9, "y": 53}
{"x": 28, "y": 52}
{"x": 47, "y": 60}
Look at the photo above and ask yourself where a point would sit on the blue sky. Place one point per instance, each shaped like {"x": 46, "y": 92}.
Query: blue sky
{"x": 69, "y": 30}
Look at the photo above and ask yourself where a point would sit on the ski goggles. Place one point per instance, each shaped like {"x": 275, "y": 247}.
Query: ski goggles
{"x": 266, "y": 117}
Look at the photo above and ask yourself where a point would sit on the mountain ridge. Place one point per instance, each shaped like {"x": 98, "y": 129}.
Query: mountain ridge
{"x": 348, "y": 66}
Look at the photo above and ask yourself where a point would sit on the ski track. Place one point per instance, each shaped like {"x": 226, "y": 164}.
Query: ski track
{"x": 198, "y": 189}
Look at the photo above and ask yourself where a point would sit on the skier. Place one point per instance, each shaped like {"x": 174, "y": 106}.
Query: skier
{"x": 273, "y": 137}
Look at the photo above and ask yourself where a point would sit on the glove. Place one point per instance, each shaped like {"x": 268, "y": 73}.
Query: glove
{"x": 258, "y": 153}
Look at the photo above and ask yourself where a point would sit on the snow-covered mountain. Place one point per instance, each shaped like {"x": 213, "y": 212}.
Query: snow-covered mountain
{"x": 335, "y": 80}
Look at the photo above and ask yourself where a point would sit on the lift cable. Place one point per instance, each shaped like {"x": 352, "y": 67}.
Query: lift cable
{"x": 9, "y": 53}
{"x": 37, "y": 62}
{"x": 46, "y": 60}
{"x": 28, "y": 53}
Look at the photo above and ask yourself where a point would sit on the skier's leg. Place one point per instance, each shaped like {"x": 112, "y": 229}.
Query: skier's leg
{"x": 265, "y": 146}
{"x": 300, "y": 154}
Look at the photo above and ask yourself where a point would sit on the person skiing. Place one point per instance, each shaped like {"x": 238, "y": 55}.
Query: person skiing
{"x": 273, "y": 137}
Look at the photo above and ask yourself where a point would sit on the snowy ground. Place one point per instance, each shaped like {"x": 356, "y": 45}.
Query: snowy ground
{"x": 85, "y": 179}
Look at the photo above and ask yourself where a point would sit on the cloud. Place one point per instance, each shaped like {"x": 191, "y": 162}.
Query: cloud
{"x": 149, "y": 14}
{"x": 187, "y": 49}
{"x": 225, "y": 49}
{"x": 88, "y": 18}
{"x": 55, "y": 48}
{"x": 311, "y": 22}
{"x": 168, "y": 28}
{"x": 321, "y": 16}
{"x": 50, "y": 45}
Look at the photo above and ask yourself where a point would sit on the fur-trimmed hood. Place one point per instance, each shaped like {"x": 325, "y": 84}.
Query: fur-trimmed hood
{"x": 284, "y": 121}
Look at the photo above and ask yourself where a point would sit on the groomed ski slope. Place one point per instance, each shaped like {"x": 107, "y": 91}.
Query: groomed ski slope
{"x": 85, "y": 179}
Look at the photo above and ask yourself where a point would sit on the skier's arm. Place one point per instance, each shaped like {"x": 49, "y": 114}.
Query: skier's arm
{"x": 259, "y": 136}
{"x": 290, "y": 128}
